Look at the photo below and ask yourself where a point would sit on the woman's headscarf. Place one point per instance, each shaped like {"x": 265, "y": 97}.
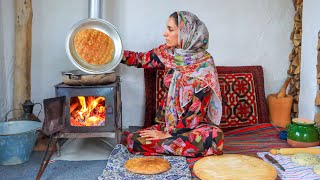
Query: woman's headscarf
{"x": 190, "y": 60}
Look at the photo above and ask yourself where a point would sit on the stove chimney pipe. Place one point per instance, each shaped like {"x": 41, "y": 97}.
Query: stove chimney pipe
{"x": 95, "y": 9}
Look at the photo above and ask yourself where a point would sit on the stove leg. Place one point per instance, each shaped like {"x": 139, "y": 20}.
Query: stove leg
{"x": 58, "y": 150}
{"x": 108, "y": 143}
{"x": 47, "y": 155}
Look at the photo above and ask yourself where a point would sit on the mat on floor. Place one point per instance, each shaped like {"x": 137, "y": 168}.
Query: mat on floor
{"x": 115, "y": 167}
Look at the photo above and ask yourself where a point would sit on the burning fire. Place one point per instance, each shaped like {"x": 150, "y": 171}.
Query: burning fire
{"x": 87, "y": 111}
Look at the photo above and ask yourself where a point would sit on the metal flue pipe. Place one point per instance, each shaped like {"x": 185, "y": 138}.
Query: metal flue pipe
{"x": 95, "y": 9}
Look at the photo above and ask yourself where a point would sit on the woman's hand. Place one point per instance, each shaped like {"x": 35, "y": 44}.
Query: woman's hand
{"x": 154, "y": 135}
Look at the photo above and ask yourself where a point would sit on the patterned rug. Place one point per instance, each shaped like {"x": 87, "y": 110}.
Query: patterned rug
{"x": 247, "y": 140}
{"x": 115, "y": 167}
{"x": 242, "y": 89}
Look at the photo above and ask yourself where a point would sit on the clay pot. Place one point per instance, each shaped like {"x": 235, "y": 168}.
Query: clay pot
{"x": 302, "y": 133}
{"x": 280, "y": 109}
{"x": 280, "y": 106}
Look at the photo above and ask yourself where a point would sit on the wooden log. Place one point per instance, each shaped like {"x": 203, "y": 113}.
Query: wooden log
{"x": 318, "y": 47}
{"x": 317, "y": 100}
{"x": 318, "y": 57}
{"x": 291, "y": 70}
{"x": 297, "y": 84}
{"x": 295, "y": 107}
{"x": 297, "y": 70}
{"x": 296, "y": 42}
{"x": 318, "y": 70}
{"x": 22, "y": 64}
{"x": 295, "y": 57}
{"x": 298, "y": 25}
{"x": 317, "y": 119}
{"x": 296, "y": 61}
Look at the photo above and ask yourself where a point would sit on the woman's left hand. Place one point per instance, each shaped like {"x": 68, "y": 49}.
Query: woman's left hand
{"x": 154, "y": 135}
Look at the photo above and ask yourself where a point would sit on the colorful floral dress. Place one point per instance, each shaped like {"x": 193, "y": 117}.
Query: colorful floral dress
{"x": 191, "y": 108}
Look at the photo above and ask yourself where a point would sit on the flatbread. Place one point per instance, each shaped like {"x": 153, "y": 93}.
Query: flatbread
{"x": 94, "y": 46}
{"x": 316, "y": 169}
{"x": 147, "y": 165}
{"x": 305, "y": 159}
{"x": 233, "y": 166}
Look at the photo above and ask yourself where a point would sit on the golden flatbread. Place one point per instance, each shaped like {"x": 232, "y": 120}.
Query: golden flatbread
{"x": 305, "y": 159}
{"x": 234, "y": 166}
{"x": 93, "y": 46}
{"x": 147, "y": 165}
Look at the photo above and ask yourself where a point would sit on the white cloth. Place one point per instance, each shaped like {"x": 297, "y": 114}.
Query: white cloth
{"x": 7, "y": 20}
{"x": 292, "y": 171}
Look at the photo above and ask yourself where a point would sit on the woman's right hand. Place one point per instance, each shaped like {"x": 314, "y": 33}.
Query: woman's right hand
{"x": 154, "y": 135}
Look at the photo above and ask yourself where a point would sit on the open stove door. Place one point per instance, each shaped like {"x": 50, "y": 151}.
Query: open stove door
{"x": 55, "y": 115}
{"x": 53, "y": 125}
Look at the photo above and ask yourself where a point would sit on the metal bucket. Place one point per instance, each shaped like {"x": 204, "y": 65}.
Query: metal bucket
{"x": 17, "y": 139}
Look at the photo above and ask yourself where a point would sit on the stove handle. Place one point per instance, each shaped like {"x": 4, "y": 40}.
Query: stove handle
{"x": 73, "y": 76}
{"x": 109, "y": 110}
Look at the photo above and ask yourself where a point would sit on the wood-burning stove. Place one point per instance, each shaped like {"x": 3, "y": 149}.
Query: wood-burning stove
{"x": 91, "y": 111}
{"x": 82, "y": 112}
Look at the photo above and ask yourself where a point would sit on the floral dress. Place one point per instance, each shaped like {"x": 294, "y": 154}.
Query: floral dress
{"x": 192, "y": 136}
{"x": 191, "y": 108}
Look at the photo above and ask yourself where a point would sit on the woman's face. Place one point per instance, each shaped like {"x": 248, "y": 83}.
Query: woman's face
{"x": 171, "y": 33}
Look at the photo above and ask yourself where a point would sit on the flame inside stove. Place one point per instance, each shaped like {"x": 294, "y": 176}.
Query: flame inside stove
{"x": 87, "y": 111}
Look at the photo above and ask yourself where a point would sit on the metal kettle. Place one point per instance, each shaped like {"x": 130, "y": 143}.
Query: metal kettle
{"x": 27, "y": 112}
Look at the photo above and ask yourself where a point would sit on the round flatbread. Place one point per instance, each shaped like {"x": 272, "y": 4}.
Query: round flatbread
{"x": 316, "y": 169}
{"x": 305, "y": 159}
{"x": 147, "y": 165}
{"x": 94, "y": 46}
{"x": 233, "y": 166}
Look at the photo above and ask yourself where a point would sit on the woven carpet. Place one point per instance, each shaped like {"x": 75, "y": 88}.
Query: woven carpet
{"x": 248, "y": 141}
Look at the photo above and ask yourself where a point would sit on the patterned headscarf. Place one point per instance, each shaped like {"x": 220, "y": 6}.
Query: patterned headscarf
{"x": 191, "y": 63}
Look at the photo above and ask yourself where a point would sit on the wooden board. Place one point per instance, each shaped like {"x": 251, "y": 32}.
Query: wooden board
{"x": 22, "y": 63}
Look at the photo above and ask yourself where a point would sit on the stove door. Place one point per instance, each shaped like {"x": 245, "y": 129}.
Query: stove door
{"x": 55, "y": 115}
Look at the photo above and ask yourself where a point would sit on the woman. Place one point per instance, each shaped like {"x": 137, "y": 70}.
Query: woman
{"x": 191, "y": 109}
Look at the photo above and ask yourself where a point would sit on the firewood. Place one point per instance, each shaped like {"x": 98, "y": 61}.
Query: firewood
{"x": 291, "y": 70}
{"x": 297, "y": 37}
{"x": 317, "y": 100}
{"x": 295, "y": 107}
{"x": 297, "y": 70}
{"x": 73, "y": 106}
{"x": 298, "y": 25}
{"x": 296, "y": 42}
{"x": 296, "y": 61}
{"x": 317, "y": 119}
{"x": 297, "y": 84}
{"x": 295, "y": 57}
{"x": 318, "y": 70}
